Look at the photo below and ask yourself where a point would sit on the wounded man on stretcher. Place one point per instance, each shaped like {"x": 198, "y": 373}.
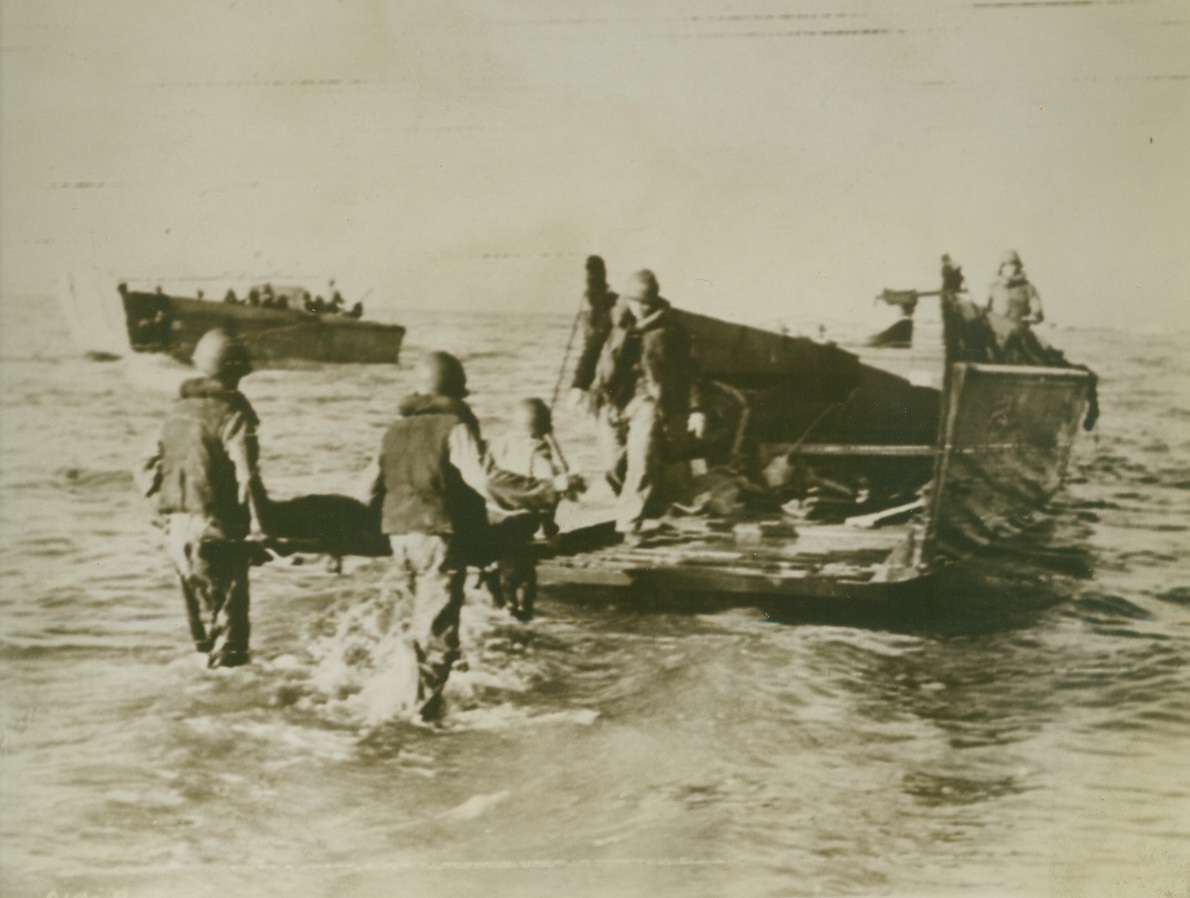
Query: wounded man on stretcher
{"x": 337, "y": 525}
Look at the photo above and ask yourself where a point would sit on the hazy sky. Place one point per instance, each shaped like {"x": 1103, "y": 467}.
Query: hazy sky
{"x": 765, "y": 158}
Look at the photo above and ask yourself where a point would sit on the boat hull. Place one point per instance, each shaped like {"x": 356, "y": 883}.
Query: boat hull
{"x": 159, "y": 323}
{"x": 948, "y": 473}
{"x": 839, "y": 419}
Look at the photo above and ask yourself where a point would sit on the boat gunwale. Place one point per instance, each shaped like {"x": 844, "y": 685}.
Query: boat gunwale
{"x": 1037, "y": 370}
{"x": 289, "y": 316}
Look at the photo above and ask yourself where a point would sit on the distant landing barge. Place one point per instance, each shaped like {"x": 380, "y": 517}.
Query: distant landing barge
{"x": 160, "y": 323}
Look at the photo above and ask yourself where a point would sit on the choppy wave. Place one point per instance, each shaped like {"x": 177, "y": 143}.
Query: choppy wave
{"x": 1029, "y": 723}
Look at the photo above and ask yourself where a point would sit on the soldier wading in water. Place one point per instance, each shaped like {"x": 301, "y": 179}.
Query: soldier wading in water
{"x": 430, "y": 481}
{"x": 203, "y": 472}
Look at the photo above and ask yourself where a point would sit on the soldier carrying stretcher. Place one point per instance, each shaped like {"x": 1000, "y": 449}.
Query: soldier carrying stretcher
{"x": 203, "y": 471}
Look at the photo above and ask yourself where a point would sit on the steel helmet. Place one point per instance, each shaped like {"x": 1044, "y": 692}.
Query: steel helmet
{"x": 441, "y": 374}
{"x": 643, "y": 287}
{"x": 218, "y": 353}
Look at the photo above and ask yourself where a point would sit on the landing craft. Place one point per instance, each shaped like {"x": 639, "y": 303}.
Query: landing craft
{"x": 879, "y": 472}
{"x": 157, "y": 322}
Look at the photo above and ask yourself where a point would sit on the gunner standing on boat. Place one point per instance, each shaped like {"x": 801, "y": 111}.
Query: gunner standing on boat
{"x": 205, "y": 477}
{"x": 1012, "y": 296}
{"x": 429, "y": 483}
{"x": 646, "y": 391}
{"x": 1013, "y": 305}
{"x": 952, "y": 277}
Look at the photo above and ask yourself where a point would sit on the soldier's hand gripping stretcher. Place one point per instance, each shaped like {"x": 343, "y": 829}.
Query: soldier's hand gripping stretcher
{"x": 569, "y": 486}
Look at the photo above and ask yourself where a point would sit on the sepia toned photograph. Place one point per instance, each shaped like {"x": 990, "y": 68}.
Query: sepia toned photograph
{"x": 537, "y": 448}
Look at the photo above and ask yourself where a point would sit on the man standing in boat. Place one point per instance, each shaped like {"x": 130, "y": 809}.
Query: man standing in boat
{"x": 1013, "y": 306}
{"x": 595, "y": 318}
{"x": 205, "y": 477}
{"x": 1011, "y": 295}
{"x": 645, "y": 390}
{"x": 429, "y": 483}
{"x": 952, "y": 277}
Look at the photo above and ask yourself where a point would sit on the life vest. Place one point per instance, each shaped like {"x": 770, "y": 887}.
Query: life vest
{"x": 1012, "y": 298}
{"x": 197, "y": 474}
{"x": 423, "y": 491}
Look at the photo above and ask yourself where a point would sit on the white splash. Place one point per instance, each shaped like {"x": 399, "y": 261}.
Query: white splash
{"x": 367, "y": 660}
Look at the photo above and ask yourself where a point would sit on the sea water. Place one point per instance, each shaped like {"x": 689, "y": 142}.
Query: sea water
{"x": 1026, "y": 736}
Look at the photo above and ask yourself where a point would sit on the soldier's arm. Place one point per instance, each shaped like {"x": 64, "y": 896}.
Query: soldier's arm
{"x": 697, "y": 421}
{"x": 543, "y": 460}
{"x": 239, "y": 439}
{"x": 692, "y": 375}
{"x": 1036, "y": 313}
{"x": 479, "y": 472}
{"x": 671, "y": 369}
{"x": 372, "y": 483}
{"x": 593, "y": 337}
{"x": 147, "y": 473}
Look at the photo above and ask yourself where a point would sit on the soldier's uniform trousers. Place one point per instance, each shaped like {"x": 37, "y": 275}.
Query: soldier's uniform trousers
{"x": 425, "y": 568}
{"x": 214, "y": 576}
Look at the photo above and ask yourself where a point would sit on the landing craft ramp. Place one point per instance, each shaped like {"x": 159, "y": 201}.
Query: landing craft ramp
{"x": 763, "y": 557}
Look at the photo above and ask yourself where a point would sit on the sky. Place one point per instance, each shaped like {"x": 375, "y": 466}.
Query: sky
{"x": 766, "y": 158}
